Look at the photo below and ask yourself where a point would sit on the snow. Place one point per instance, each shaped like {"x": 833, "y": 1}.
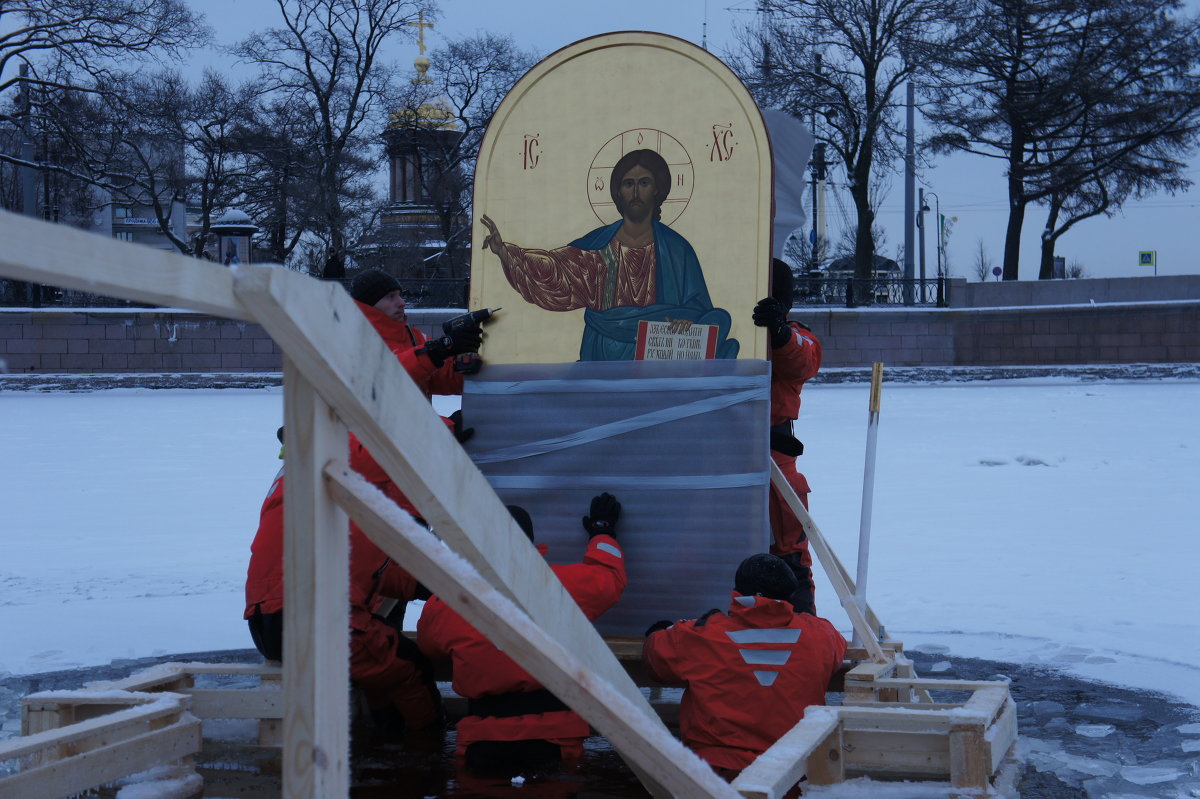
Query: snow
{"x": 1046, "y": 521}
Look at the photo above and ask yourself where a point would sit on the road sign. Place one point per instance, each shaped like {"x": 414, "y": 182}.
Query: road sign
{"x": 1148, "y": 258}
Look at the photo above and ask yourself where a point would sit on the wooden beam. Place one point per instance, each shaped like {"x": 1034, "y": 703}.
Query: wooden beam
{"x": 63, "y": 256}
{"x": 672, "y": 769}
{"x": 316, "y": 637}
{"x": 868, "y": 631}
{"x": 815, "y": 742}
{"x": 145, "y": 708}
{"x": 332, "y": 343}
{"x": 95, "y": 767}
{"x": 1002, "y": 734}
{"x": 237, "y": 703}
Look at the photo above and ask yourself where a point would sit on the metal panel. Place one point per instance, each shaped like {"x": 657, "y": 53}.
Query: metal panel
{"x": 683, "y": 446}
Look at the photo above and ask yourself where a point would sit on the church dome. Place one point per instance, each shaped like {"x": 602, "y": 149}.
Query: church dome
{"x": 435, "y": 113}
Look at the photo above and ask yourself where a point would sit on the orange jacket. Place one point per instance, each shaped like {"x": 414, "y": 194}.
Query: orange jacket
{"x": 404, "y": 340}
{"x": 792, "y": 365}
{"x": 372, "y": 573}
{"x": 749, "y": 675}
{"x": 480, "y": 670}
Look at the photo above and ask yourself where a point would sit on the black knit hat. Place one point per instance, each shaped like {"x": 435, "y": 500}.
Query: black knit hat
{"x": 522, "y": 518}
{"x": 373, "y": 285}
{"x": 764, "y": 574}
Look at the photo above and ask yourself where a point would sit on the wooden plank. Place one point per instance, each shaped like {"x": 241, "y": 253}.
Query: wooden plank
{"x": 329, "y": 340}
{"x": 988, "y": 701}
{"x": 160, "y": 677}
{"x": 897, "y": 753}
{"x": 60, "y": 255}
{"x": 868, "y": 632}
{"x": 776, "y": 770}
{"x": 827, "y": 763}
{"x": 229, "y": 703}
{"x": 879, "y": 717}
{"x": 1003, "y": 734}
{"x": 105, "y": 764}
{"x": 316, "y": 638}
{"x": 870, "y": 672}
{"x": 573, "y": 677}
{"x": 970, "y": 757}
{"x": 829, "y": 560}
{"x": 153, "y": 706}
{"x": 268, "y": 670}
{"x": 939, "y": 684}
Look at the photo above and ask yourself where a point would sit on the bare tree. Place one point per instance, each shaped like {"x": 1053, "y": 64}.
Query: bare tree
{"x": 73, "y": 44}
{"x": 280, "y": 189}
{"x": 154, "y": 141}
{"x": 982, "y": 268}
{"x": 799, "y": 250}
{"x": 324, "y": 62}
{"x": 844, "y": 63}
{"x": 1085, "y": 103}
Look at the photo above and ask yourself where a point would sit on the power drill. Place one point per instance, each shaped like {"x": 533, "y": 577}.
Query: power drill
{"x": 468, "y": 362}
{"x": 467, "y": 321}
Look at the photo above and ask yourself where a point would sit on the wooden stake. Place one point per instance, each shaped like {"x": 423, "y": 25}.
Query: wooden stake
{"x": 868, "y": 495}
{"x": 316, "y": 642}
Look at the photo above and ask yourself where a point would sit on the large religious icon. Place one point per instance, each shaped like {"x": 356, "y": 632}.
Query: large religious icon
{"x": 639, "y": 280}
{"x": 623, "y": 226}
{"x": 658, "y": 142}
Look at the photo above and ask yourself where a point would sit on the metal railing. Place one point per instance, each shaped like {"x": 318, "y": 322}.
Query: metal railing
{"x": 851, "y": 292}
{"x": 452, "y": 293}
{"x": 422, "y": 293}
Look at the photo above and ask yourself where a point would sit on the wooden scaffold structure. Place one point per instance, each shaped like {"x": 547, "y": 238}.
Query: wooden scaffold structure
{"x": 339, "y": 376}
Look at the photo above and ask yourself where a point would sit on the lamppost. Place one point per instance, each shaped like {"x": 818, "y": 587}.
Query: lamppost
{"x": 921, "y": 238}
{"x": 938, "y": 244}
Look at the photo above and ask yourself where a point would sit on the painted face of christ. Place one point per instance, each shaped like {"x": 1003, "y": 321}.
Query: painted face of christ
{"x": 639, "y": 183}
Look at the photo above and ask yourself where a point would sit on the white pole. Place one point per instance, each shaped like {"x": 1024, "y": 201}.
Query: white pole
{"x": 864, "y": 523}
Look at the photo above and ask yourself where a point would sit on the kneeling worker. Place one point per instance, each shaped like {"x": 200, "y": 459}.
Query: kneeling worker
{"x": 748, "y": 674}
{"x": 513, "y": 724}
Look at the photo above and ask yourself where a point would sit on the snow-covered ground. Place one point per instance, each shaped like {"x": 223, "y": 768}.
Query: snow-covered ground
{"x": 1036, "y": 521}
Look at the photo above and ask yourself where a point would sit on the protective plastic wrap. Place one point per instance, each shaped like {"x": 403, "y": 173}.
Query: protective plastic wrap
{"x": 682, "y": 445}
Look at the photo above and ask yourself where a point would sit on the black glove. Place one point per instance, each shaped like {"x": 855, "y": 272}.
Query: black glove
{"x": 602, "y": 516}
{"x": 463, "y": 434}
{"x": 771, "y": 314}
{"x": 465, "y": 339}
{"x": 438, "y": 349}
{"x": 661, "y": 624}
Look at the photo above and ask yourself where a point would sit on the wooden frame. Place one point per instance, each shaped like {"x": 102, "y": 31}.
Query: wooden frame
{"x": 121, "y": 733}
{"x": 339, "y": 375}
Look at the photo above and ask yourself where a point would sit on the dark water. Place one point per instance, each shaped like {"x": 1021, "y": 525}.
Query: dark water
{"x": 1145, "y": 735}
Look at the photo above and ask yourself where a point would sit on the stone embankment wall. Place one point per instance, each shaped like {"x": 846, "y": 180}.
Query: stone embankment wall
{"x": 1113, "y": 321}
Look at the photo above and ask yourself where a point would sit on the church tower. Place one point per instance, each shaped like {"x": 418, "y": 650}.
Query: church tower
{"x": 426, "y": 190}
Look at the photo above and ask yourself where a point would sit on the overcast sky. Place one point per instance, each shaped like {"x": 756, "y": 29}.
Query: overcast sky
{"x": 970, "y": 188}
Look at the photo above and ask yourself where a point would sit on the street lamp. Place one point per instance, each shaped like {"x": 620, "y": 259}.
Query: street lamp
{"x": 938, "y": 244}
{"x": 921, "y": 240}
